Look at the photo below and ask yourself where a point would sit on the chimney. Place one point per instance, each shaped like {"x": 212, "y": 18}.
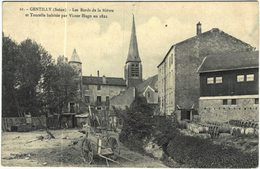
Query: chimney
{"x": 104, "y": 80}
{"x": 198, "y": 28}
{"x": 98, "y": 73}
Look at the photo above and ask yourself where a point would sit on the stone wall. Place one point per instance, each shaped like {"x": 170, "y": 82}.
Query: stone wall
{"x": 213, "y": 110}
{"x": 188, "y": 56}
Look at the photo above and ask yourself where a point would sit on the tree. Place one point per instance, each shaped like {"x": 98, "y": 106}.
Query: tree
{"x": 23, "y": 68}
{"x": 59, "y": 86}
{"x": 33, "y": 62}
{"x": 10, "y": 53}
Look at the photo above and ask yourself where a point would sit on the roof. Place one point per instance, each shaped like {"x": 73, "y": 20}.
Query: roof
{"x": 111, "y": 81}
{"x": 75, "y": 57}
{"x": 229, "y": 61}
{"x": 133, "y": 53}
{"x": 151, "y": 81}
{"x": 216, "y": 30}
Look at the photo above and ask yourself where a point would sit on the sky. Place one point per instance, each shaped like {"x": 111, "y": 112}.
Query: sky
{"x": 102, "y": 43}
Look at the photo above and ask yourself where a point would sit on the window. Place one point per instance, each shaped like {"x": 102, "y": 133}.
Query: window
{"x": 210, "y": 80}
{"x": 148, "y": 94}
{"x": 240, "y": 78}
{"x": 250, "y": 77}
{"x": 219, "y": 79}
{"x": 256, "y": 101}
{"x": 225, "y": 102}
{"x": 87, "y": 99}
{"x": 98, "y": 87}
{"x": 107, "y": 100}
{"x": 233, "y": 101}
{"x": 135, "y": 70}
{"x": 98, "y": 99}
{"x": 86, "y": 87}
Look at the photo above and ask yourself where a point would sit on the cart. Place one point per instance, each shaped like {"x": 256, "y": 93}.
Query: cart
{"x": 99, "y": 142}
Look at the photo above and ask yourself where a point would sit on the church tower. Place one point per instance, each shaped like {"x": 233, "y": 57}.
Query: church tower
{"x": 133, "y": 65}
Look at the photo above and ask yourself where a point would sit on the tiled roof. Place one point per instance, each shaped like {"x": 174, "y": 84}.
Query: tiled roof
{"x": 230, "y": 61}
{"x": 213, "y": 30}
{"x": 111, "y": 81}
{"x": 151, "y": 81}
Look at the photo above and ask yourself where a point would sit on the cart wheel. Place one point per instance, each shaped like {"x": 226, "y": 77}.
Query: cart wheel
{"x": 87, "y": 151}
{"x": 113, "y": 145}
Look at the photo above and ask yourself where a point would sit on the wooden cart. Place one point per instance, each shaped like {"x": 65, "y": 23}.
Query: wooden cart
{"x": 100, "y": 144}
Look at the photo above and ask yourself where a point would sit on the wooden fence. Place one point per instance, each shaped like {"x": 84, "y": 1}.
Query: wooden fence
{"x": 8, "y": 122}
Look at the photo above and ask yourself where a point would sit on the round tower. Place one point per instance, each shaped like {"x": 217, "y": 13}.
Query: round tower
{"x": 77, "y": 66}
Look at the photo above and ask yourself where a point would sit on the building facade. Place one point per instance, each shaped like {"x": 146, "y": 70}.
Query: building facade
{"x": 133, "y": 65}
{"x": 98, "y": 91}
{"x": 178, "y": 82}
{"x": 229, "y": 87}
{"x": 148, "y": 89}
{"x": 94, "y": 91}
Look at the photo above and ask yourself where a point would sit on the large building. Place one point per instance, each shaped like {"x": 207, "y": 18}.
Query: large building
{"x": 133, "y": 65}
{"x": 229, "y": 87}
{"x": 178, "y": 80}
{"x": 94, "y": 91}
{"x": 98, "y": 91}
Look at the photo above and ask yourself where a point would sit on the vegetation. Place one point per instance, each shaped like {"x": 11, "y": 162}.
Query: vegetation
{"x": 192, "y": 151}
{"x": 137, "y": 123}
{"x": 203, "y": 153}
{"x": 32, "y": 81}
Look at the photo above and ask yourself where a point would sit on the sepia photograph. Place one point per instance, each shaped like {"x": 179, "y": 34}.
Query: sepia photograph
{"x": 130, "y": 84}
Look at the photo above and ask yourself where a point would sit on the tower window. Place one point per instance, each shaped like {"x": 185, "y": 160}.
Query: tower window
{"x": 135, "y": 70}
{"x": 256, "y": 101}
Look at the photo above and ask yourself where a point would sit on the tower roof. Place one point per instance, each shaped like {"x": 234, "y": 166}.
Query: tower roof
{"x": 75, "y": 57}
{"x": 133, "y": 54}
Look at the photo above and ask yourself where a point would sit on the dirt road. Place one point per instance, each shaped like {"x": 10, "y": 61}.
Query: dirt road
{"x": 16, "y": 151}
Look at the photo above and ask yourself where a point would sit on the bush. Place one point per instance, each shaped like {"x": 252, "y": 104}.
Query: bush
{"x": 203, "y": 153}
{"x": 137, "y": 124}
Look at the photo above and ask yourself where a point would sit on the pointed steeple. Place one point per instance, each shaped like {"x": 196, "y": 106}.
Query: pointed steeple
{"x": 133, "y": 54}
{"x": 75, "y": 57}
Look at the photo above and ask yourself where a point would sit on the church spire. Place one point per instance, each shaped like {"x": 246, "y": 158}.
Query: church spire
{"x": 133, "y": 54}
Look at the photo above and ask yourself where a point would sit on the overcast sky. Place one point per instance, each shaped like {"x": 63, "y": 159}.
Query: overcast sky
{"x": 102, "y": 44}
